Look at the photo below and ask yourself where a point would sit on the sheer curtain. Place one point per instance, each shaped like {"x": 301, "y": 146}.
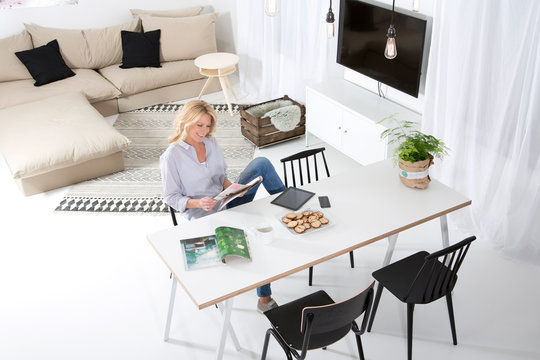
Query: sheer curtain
{"x": 282, "y": 54}
{"x": 483, "y": 99}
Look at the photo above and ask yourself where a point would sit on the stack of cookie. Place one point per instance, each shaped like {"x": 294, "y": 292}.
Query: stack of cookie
{"x": 305, "y": 220}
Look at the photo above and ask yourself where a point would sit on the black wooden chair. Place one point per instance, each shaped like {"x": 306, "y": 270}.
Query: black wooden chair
{"x": 420, "y": 279}
{"x": 316, "y": 321}
{"x": 307, "y": 173}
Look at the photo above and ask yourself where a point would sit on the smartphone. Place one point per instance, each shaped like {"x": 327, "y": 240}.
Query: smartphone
{"x": 324, "y": 202}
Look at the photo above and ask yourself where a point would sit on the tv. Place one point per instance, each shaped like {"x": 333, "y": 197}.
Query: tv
{"x": 362, "y": 40}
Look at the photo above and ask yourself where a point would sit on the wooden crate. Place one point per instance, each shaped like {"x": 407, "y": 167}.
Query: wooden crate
{"x": 261, "y": 132}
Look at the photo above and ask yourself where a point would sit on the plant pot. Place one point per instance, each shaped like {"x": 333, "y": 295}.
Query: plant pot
{"x": 415, "y": 174}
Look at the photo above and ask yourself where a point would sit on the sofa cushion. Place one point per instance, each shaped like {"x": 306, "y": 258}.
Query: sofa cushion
{"x": 185, "y": 37}
{"x": 135, "y": 80}
{"x": 140, "y": 49}
{"x": 72, "y": 43}
{"x": 11, "y": 68}
{"x": 105, "y": 44}
{"x": 55, "y": 133}
{"x": 88, "y": 48}
{"x": 87, "y": 81}
{"x": 169, "y": 13}
{"x": 45, "y": 63}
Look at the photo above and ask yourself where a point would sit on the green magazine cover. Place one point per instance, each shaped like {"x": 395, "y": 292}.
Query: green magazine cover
{"x": 211, "y": 250}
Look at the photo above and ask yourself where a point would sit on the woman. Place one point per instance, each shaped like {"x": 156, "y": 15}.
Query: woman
{"x": 193, "y": 171}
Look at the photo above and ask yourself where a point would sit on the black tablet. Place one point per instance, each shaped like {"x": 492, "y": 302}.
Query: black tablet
{"x": 293, "y": 198}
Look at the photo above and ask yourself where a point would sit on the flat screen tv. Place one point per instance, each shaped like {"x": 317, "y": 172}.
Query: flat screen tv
{"x": 362, "y": 39}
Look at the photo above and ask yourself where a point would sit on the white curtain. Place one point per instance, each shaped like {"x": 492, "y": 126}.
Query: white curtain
{"x": 483, "y": 99}
{"x": 282, "y": 54}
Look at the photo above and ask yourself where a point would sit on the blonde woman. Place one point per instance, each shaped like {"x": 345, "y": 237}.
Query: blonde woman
{"x": 193, "y": 171}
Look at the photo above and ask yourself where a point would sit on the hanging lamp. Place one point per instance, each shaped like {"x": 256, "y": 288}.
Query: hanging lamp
{"x": 390, "y": 51}
{"x": 271, "y": 7}
{"x": 330, "y": 21}
{"x": 416, "y": 5}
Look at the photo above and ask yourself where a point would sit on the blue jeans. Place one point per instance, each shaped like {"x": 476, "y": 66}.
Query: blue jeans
{"x": 272, "y": 183}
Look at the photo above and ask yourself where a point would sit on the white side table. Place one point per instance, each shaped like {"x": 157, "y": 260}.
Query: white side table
{"x": 218, "y": 65}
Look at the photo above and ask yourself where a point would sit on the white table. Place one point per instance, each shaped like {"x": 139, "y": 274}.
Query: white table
{"x": 218, "y": 65}
{"x": 368, "y": 204}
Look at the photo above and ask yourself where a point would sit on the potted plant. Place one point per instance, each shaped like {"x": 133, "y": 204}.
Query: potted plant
{"x": 415, "y": 152}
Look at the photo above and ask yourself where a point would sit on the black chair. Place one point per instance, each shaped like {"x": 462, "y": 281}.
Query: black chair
{"x": 420, "y": 279}
{"x": 316, "y": 321}
{"x": 308, "y": 174}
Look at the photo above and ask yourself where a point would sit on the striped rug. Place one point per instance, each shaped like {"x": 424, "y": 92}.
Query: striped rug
{"x": 137, "y": 189}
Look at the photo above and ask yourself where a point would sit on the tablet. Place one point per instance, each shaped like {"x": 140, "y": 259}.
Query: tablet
{"x": 293, "y": 198}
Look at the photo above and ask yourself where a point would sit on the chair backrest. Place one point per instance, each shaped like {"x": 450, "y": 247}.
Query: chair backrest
{"x": 173, "y": 216}
{"x": 308, "y": 171}
{"x": 327, "y": 318}
{"x": 438, "y": 275}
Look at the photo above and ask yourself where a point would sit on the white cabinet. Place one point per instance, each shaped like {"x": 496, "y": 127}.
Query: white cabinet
{"x": 345, "y": 116}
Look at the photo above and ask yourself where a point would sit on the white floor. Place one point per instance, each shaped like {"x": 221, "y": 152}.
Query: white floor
{"x": 79, "y": 286}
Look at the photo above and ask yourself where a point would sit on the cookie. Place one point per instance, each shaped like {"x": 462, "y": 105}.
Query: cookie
{"x": 306, "y": 225}
{"x": 307, "y": 213}
{"x": 299, "y": 229}
{"x": 300, "y": 222}
{"x": 312, "y": 218}
{"x": 286, "y": 220}
{"x": 292, "y": 224}
{"x": 298, "y": 216}
{"x": 316, "y": 224}
{"x": 323, "y": 220}
{"x": 291, "y": 215}
{"x": 319, "y": 214}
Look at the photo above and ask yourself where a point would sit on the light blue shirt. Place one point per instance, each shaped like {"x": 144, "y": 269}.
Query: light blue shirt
{"x": 184, "y": 177}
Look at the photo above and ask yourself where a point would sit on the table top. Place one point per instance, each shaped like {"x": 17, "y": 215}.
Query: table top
{"x": 368, "y": 204}
{"x": 218, "y": 60}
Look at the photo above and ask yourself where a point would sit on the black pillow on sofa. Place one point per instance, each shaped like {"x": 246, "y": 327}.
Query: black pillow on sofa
{"x": 140, "y": 49}
{"x": 45, "y": 63}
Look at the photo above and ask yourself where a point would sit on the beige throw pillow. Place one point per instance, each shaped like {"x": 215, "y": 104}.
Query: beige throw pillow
{"x": 169, "y": 13}
{"x": 11, "y": 68}
{"x": 183, "y": 38}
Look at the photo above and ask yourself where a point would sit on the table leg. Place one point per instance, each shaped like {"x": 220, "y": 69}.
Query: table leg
{"x": 224, "y": 88}
{"x": 390, "y": 249}
{"x": 230, "y": 88}
{"x": 205, "y": 86}
{"x": 231, "y": 330}
{"x": 224, "y": 327}
{"x": 169, "y": 313}
{"x": 444, "y": 231}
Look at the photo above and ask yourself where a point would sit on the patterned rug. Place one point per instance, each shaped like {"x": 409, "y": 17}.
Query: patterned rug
{"x": 138, "y": 187}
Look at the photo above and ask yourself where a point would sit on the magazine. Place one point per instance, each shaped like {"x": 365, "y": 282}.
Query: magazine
{"x": 227, "y": 243}
{"x": 235, "y": 190}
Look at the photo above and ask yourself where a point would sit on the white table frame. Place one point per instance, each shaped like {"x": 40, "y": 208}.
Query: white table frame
{"x": 383, "y": 195}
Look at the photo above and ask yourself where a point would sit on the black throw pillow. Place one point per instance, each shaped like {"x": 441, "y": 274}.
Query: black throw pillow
{"x": 140, "y": 49}
{"x": 45, "y": 63}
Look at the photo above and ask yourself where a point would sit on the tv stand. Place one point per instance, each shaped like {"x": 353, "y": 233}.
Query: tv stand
{"x": 346, "y": 117}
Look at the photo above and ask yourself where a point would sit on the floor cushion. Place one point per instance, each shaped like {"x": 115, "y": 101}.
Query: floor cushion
{"x": 58, "y": 141}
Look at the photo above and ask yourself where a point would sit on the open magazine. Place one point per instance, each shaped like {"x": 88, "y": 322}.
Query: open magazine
{"x": 235, "y": 190}
{"x": 227, "y": 243}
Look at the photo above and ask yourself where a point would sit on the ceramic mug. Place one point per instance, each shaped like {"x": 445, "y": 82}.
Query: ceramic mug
{"x": 264, "y": 233}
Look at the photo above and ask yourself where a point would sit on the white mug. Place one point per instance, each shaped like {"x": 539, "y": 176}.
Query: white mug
{"x": 264, "y": 233}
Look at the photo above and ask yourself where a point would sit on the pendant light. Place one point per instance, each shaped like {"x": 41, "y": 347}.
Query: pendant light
{"x": 416, "y": 5}
{"x": 390, "y": 51}
{"x": 330, "y": 21}
{"x": 271, "y": 7}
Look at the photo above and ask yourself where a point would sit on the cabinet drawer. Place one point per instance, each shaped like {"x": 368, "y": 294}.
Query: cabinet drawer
{"x": 361, "y": 139}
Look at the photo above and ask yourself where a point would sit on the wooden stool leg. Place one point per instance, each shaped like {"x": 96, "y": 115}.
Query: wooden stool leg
{"x": 230, "y": 87}
{"x": 224, "y": 88}
{"x": 205, "y": 86}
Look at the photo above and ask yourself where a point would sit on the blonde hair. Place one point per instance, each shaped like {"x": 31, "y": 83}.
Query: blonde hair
{"x": 188, "y": 116}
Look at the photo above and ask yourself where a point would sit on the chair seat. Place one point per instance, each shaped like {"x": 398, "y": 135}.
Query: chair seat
{"x": 399, "y": 276}
{"x": 286, "y": 321}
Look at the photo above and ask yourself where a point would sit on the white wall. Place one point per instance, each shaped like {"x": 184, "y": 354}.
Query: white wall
{"x": 102, "y": 13}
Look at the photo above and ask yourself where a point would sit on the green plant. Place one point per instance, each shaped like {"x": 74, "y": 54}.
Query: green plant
{"x": 413, "y": 144}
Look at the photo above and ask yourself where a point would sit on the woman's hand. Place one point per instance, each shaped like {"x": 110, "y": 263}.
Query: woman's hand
{"x": 207, "y": 203}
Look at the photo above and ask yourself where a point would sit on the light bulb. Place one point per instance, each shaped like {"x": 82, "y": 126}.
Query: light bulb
{"x": 390, "y": 51}
{"x": 271, "y": 7}
{"x": 416, "y": 5}
{"x": 330, "y": 29}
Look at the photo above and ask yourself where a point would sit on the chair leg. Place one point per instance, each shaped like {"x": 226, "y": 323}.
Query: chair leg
{"x": 280, "y": 342}
{"x": 451, "y": 314}
{"x": 410, "y": 311}
{"x": 310, "y": 276}
{"x": 360, "y": 348}
{"x": 375, "y": 306}
{"x": 351, "y": 257}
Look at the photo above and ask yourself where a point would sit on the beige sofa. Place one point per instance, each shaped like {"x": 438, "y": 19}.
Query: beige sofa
{"x": 95, "y": 55}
